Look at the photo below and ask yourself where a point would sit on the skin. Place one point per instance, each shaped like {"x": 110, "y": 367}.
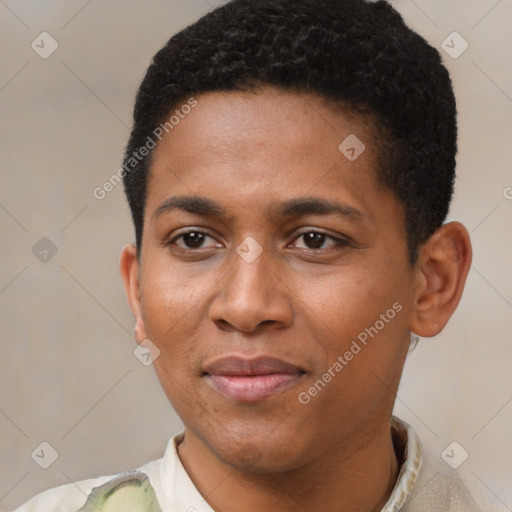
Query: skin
{"x": 301, "y": 301}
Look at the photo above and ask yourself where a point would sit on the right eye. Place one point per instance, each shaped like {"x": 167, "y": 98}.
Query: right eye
{"x": 193, "y": 239}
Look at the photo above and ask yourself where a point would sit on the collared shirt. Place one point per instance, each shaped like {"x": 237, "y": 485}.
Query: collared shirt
{"x": 424, "y": 483}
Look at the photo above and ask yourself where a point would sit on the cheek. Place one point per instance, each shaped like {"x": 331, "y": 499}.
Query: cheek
{"x": 168, "y": 291}
{"x": 364, "y": 315}
{"x": 352, "y": 299}
{"x": 171, "y": 306}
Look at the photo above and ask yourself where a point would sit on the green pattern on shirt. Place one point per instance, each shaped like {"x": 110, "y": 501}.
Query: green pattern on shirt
{"x": 127, "y": 492}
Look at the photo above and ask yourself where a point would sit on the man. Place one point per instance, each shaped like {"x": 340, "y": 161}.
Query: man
{"x": 289, "y": 171}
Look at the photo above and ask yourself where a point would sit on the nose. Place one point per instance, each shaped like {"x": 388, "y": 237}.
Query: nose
{"x": 252, "y": 295}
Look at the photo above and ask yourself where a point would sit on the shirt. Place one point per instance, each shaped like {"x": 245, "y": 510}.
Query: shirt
{"x": 424, "y": 483}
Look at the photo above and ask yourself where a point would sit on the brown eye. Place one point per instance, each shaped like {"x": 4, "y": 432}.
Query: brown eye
{"x": 315, "y": 240}
{"x": 193, "y": 239}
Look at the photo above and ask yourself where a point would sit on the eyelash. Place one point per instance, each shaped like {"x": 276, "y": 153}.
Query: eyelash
{"x": 340, "y": 243}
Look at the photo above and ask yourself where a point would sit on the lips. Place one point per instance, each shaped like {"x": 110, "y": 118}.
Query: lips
{"x": 251, "y": 380}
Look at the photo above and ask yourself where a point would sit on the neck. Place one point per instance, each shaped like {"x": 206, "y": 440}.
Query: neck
{"x": 357, "y": 476}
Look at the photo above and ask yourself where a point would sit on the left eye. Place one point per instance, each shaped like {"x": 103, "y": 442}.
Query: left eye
{"x": 316, "y": 239}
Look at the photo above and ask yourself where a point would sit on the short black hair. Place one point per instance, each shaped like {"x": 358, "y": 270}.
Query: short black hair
{"x": 358, "y": 54}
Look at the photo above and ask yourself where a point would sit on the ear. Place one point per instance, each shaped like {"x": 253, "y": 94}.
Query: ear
{"x": 443, "y": 265}
{"x": 129, "y": 266}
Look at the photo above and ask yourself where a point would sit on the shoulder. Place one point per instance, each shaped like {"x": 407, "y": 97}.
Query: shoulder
{"x": 426, "y": 483}
{"x": 65, "y": 498}
{"x": 439, "y": 488}
{"x": 86, "y": 495}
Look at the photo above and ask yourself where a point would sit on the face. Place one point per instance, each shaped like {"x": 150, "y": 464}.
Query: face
{"x": 273, "y": 278}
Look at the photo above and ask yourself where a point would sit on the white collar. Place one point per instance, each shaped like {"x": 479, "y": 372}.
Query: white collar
{"x": 409, "y": 449}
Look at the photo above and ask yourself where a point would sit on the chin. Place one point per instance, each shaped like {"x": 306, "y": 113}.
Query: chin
{"x": 261, "y": 453}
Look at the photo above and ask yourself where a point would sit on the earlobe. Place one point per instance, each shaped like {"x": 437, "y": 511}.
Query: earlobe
{"x": 129, "y": 267}
{"x": 443, "y": 266}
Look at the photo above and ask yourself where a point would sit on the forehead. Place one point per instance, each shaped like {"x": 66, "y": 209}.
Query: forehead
{"x": 230, "y": 118}
{"x": 263, "y": 129}
{"x": 252, "y": 149}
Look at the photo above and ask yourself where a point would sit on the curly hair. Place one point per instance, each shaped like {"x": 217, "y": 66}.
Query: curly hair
{"x": 357, "y": 54}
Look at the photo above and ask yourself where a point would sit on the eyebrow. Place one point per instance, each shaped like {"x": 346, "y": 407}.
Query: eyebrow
{"x": 298, "y": 207}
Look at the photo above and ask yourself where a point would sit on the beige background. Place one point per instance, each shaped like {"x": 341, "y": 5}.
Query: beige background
{"x": 68, "y": 375}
